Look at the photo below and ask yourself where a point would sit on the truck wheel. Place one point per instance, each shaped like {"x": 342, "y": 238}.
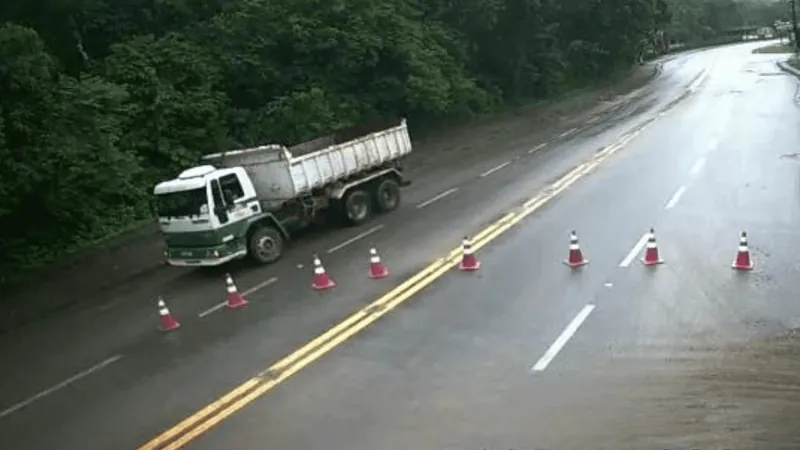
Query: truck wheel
{"x": 265, "y": 245}
{"x": 387, "y": 194}
{"x": 357, "y": 207}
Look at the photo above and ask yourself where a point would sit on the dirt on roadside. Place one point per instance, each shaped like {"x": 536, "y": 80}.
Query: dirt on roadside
{"x": 137, "y": 258}
{"x": 743, "y": 396}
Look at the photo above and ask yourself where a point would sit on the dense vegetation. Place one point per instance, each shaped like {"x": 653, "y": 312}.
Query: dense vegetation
{"x": 99, "y": 99}
{"x": 696, "y": 21}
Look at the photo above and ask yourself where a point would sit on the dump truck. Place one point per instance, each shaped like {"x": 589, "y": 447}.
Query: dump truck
{"x": 251, "y": 202}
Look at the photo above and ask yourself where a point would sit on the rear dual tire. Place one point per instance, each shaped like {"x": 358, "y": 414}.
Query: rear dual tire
{"x": 359, "y": 205}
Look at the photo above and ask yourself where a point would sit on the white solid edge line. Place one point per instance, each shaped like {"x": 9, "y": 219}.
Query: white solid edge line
{"x": 538, "y": 147}
{"x": 438, "y": 197}
{"x": 221, "y": 305}
{"x": 634, "y": 251}
{"x": 495, "y": 169}
{"x": 355, "y": 238}
{"x": 63, "y": 384}
{"x": 698, "y": 166}
{"x": 562, "y": 339}
{"x": 700, "y": 79}
{"x": 675, "y": 197}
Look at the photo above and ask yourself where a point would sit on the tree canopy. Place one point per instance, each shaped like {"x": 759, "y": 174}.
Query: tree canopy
{"x": 100, "y": 99}
{"x": 696, "y": 21}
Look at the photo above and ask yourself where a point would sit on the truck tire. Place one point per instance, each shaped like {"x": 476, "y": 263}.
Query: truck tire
{"x": 387, "y": 195}
{"x": 357, "y": 207}
{"x": 265, "y": 244}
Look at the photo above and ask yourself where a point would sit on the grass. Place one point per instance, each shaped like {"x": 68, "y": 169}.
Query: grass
{"x": 776, "y": 48}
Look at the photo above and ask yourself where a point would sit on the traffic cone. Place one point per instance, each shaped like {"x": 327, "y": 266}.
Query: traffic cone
{"x": 168, "y": 323}
{"x": 235, "y": 299}
{"x": 377, "y": 269}
{"x": 321, "y": 279}
{"x": 468, "y": 261}
{"x": 575, "y": 258}
{"x": 743, "y": 261}
{"x": 651, "y": 257}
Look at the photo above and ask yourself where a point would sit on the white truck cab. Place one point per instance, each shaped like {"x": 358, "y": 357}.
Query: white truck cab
{"x": 198, "y": 207}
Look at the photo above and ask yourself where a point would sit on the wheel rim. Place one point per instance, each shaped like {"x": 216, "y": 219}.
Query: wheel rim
{"x": 389, "y": 199}
{"x": 357, "y": 209}
{"x": 265, "y": 247}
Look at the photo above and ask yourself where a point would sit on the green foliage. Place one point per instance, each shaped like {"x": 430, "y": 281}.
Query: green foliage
{"x": 699, "y": 21}
{"x": 100, "y": 99}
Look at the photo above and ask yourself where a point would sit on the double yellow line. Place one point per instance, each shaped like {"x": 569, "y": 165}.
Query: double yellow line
{"x": 198, "y": 423}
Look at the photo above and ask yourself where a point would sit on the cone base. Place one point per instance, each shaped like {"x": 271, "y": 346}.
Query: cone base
{"x": 575, "y": 264}
{"x": 377, "y": 274}
{"x": 737, "y": 266}
{"x": 469, "y": 268}
{"x": 237, "y": 302}
{"x": 652, "y": 262}
{"x": 323, "y": 285}
{"x": 169, "y": 325}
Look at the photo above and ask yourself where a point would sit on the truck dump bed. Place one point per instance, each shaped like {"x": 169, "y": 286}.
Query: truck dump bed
{"x": 280, "y": 173}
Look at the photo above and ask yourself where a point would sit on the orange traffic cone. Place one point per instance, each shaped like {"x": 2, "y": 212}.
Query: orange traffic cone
{"x": 575, "y": 258}
{"x": 235, "y": 299}
{"x": 468, "y": 261}
{"x": 651, "y": 256}
{"x": 743, "y": 261}
{"x": 168, "y": 323}
{"x": 321, "y": 279}
{"x": 377, "y": 269}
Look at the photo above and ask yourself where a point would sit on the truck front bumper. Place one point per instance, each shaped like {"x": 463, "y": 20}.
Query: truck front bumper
{"x": 203, "y": 257}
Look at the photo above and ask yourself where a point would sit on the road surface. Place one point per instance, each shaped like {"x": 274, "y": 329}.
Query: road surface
{"x": 525, "y": 353}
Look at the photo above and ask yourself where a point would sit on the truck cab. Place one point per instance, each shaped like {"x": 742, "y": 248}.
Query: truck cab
{"x": 204, "y": 215}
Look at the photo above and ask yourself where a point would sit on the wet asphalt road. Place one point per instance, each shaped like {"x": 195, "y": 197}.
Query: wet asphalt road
{"x": 665, "y": 357}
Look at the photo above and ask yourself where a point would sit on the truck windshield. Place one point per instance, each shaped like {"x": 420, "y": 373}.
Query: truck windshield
{"x": 189, "y": 203}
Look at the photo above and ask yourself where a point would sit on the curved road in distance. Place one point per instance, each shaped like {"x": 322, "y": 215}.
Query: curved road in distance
{"x": 654, "y": 356}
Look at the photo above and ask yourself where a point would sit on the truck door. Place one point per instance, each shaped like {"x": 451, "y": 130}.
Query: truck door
{"x": 238, "y": 203}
